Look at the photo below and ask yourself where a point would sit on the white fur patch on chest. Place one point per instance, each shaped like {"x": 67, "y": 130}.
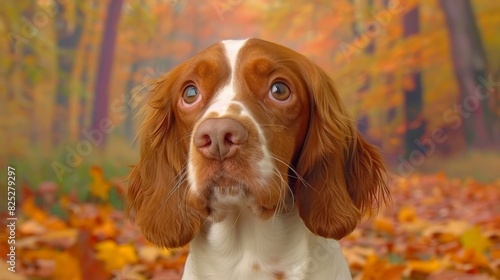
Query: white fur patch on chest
{"x": 244, "y": 247}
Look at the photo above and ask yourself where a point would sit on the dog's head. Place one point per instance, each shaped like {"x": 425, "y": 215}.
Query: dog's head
{"x": 250, "y": 124}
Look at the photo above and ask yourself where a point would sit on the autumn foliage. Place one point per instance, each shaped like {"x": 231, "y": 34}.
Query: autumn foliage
{"x": 436, "y": 228}
{"x": 52, "y": 53}
{"x": 396, "y": 65}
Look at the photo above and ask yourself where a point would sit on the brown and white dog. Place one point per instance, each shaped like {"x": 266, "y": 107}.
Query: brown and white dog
{"x": 249, "y": 155}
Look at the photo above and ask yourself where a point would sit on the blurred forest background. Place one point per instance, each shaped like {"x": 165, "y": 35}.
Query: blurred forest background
{"x": 422, "y": 78}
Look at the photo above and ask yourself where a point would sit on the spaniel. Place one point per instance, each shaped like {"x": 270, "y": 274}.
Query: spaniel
{"x": 249, "y": 155}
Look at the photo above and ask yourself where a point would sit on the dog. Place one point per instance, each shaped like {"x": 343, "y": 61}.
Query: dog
{"x": 248, "y": 154}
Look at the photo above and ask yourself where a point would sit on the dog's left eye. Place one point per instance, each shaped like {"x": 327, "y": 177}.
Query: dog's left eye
{"x": 280, "y": 91}
{"x": 190, "y": 95}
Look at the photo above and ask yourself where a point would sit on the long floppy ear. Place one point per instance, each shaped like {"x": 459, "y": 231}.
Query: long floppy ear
{"x": 343, "y": 175}
{"x": 157, "y": 191}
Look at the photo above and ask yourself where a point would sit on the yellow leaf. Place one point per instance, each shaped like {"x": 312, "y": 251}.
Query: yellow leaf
{"x": 105, "y": 246}
{"x": 164, "y": 252}
{"x": 407, "y": 215}
{"x": 474, "y": 239}
{"x": 128, "y": 253}
{"x": 425, "y": 266}
{"x": 99, "y": 187}
{"x": 115, "y": 256}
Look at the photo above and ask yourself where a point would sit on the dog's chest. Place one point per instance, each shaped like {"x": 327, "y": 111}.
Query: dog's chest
{"x": 251, "y": 256}
{"x": 282, "y": 248}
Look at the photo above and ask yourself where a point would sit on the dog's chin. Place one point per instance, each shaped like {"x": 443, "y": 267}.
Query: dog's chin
{"x": 231, "y": 201}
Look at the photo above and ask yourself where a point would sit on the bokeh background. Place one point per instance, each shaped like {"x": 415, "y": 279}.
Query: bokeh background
{"x": 421, "y": 77}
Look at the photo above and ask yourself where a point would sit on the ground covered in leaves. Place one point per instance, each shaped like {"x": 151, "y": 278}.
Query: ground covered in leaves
{"x": 436, "y": 228}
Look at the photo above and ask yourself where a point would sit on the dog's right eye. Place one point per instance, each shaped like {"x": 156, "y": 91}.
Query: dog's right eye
{"x": 191, "y": 95}
{"x": 280, "y": 91}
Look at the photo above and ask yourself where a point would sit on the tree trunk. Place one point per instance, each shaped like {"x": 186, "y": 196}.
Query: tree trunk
{"x": 469, "y": 60}
{"x": 77, "y": 83}
{"x": 101, "y": 98}
{"x": 359, "y": 30}
{"x": 414, "y": 120}
{"x": 67, "y": 41}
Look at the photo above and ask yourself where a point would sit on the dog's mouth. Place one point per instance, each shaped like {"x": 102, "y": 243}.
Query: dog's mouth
{"x": 232, "y": 203}
{"x": 226, "y": 195}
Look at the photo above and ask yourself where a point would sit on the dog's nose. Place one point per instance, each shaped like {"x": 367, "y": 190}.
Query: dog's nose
{"x": 219, "y": 138}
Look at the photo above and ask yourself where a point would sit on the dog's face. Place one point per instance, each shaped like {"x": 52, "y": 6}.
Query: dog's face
{"x": 250, "y": 124}
{"x": 247, "y": 132}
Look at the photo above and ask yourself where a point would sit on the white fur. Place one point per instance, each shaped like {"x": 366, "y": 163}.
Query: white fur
{"x": 225, "y": 97}
{"x": 230, "y": 250}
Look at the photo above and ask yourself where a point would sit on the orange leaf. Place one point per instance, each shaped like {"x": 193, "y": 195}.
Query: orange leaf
{"x": 425, "y": 266}
{"x": 105, "y": 230}
{"x": 384, "y": 225}
{"x": 373, "y": 267}
{"x": 471, "y": 256}
{"x": 407, "y": 214}
{"x": 31, "y": 210}
{"x": 99, "y": 187}
{"x": 393, "y": 272}
{"x": 495, "y": 254}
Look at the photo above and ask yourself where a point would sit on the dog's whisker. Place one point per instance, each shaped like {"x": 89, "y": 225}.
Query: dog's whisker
{"x": 169, "y": 195}
{"x": 187, "y": 135}
{"x": 281, "y": 205}
{"x": 279, "y": 199}
{"x": 297, "y": 175}
{"x": 236, "y": 220}
{"x": 275, "y": 125}
{"x": 179, "y": 179}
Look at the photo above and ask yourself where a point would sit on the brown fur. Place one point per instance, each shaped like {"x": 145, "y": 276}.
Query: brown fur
{"x": 344, "y": 175}
{"x": 153, "y": 179}
{"x": 157, "y": 194}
